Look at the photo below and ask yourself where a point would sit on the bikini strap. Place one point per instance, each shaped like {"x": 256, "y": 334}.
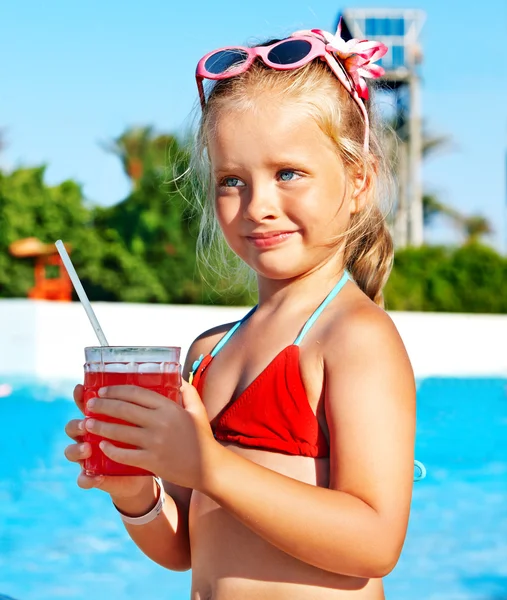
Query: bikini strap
{"x": 332, "y": 294}
{"x": 230, "y": 333}
{"x": 345, "y": 277}
{"x": 197, "y": 363}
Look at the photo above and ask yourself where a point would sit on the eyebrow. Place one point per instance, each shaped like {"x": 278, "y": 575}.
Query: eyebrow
{"x": 292, "y": 161}
{"x": 226, "y": 169}
{"x": 286, "y": 161}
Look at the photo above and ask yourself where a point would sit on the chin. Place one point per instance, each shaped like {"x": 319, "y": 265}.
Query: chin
{"x": 280, "y": 271}
{"x": 275, "y": 264}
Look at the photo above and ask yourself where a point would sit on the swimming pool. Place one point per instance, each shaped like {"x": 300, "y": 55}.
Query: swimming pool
{"x": 57, "y": 541}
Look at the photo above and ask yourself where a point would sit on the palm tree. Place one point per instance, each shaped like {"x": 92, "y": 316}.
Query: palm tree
{"x": 433, "y": 207}
{"x": 141, "y": 151}
{"x": 476, "y": 226}
{"x": 397, "y": 144}
{"x": 472, "y": 226}
{"x": 131, "y": 148}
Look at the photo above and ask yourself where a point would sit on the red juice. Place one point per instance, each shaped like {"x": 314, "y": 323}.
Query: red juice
{"x": 161, "y": 378}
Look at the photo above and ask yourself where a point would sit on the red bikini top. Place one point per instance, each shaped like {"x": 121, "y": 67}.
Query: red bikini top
{"x": 273, "y": 412}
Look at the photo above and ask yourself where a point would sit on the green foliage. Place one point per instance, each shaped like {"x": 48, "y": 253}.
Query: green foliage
{"x": 143, "y": 248}
{"x": 471, "y": 279}
{"x": 30, "y": 208}
{"x": 152, "y": 228}
{"x": 140, "y": 250}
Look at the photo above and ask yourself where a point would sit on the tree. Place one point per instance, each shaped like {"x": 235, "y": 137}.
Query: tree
{"x": 139, "y": 250}
{"x": 433, "y": 207}
{"x": 397, "y": 143}
{"x": 30, "y": 208}
{"x": 474, "y": 227}
{"x": 143, "y": 249}
{"x": 156, "y": 223}
{"x": 131, "y": 148}
{"x": 142, "y": 152}
{"x": 467, "y": 279}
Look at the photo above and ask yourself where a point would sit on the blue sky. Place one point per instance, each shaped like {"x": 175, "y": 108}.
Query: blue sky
{"x": 74, "y": 74}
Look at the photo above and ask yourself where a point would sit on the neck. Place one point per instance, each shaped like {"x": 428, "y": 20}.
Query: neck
{"x": 275, "y": 294}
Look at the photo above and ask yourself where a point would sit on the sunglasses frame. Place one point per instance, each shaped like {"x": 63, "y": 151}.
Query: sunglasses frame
{"x": 318, "y": 49}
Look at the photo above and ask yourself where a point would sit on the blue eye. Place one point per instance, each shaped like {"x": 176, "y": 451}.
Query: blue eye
{"x": 288, "y": 175}
{"x": 231, "y": 182}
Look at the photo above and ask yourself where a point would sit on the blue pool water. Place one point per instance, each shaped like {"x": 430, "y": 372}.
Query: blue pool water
{"x": 57, "y": 541}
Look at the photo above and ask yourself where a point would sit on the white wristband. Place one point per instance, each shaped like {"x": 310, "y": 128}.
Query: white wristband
{"x": 152, "y": 514}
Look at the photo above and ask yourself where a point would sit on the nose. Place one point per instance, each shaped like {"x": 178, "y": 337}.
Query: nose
{"x": 260, "y": 204}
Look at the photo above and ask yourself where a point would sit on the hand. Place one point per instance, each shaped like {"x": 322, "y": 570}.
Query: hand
{"x": 119, "y": 487}
{"x": 174, "y": 441}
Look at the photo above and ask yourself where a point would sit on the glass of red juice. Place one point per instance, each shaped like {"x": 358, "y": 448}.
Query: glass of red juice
{"x": 155, "y": 368}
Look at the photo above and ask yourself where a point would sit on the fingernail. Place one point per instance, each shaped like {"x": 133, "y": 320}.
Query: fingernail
{"x": 102, "y": 445}
{"x": 82, "y": 448}
{"x": 90, "y": 403}
{"x": 90, "y": 423}
{"x": 81, "y": 426}
{"x": 102, "y": 391}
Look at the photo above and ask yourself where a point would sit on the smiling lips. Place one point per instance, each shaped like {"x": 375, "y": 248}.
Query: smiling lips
{"x": 270, "y": 238}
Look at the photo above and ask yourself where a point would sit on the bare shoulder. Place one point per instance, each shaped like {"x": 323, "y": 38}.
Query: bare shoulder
{"x": 365, "y": 332}
{"x": 370, "y": 411}
{"x": 204, "y": 344}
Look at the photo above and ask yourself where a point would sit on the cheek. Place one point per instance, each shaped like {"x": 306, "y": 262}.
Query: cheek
{"x": 320, "y": 209}
{"x": 226, "y": 211}
{"x": 228, "y": 216}
{"x": 337, "y": 208}
{"x": 322, "y": 220}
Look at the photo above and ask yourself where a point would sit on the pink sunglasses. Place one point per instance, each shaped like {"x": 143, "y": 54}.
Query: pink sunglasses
{"x": 291, "y": 53}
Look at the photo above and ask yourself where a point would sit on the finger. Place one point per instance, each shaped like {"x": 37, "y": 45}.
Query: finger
{"x": 126, "y": 456}
{"x": 134, "y": 394}
{"x": 191, "y": 401}
{"x": 120, "y": 409}
{"x": 78, "y": 397}
{"x": 127, "y": 434}
{"x": 75, "y": 429}
{"x": 78, "y": 452}
{"x": 87, "y": 483}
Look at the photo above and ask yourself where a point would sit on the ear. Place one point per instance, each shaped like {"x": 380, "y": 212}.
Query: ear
{"x": 360, "y": 186}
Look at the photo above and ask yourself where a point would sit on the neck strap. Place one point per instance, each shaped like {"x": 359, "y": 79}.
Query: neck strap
{"x": 332, "y": 294}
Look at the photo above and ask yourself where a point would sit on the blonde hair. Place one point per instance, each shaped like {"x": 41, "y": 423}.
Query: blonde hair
{"x": 368, "y": 247}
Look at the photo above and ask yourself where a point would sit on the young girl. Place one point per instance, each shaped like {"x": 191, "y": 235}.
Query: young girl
{"x": 288, "y": 466}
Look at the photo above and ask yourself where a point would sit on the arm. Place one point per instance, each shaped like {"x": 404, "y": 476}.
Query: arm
{"x": 357, "y": 527}
{"x": 166, "y": 539}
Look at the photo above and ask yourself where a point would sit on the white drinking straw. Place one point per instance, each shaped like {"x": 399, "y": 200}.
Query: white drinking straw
{"x": 67, "y": 263}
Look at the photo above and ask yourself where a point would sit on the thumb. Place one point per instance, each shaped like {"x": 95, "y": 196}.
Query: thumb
{"x": 87, "y": 482}
{"x": 190, "y": 399}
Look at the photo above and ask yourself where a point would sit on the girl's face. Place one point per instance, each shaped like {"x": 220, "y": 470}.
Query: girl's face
{"x": 281, "y": 191}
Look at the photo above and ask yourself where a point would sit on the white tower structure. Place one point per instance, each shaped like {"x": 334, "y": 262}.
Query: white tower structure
{"x": 399, "y": 30}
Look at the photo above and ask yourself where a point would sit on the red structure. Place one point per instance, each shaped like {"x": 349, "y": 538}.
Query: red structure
{"x": 47, "y": 286}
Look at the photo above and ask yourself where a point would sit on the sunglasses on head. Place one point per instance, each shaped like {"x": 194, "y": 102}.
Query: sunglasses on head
{"x": 291, "y": 53}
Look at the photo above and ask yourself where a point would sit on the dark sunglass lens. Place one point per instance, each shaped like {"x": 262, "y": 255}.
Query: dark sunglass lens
{"x": 222, "y": 61}
{"x": 291, "y": 51}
